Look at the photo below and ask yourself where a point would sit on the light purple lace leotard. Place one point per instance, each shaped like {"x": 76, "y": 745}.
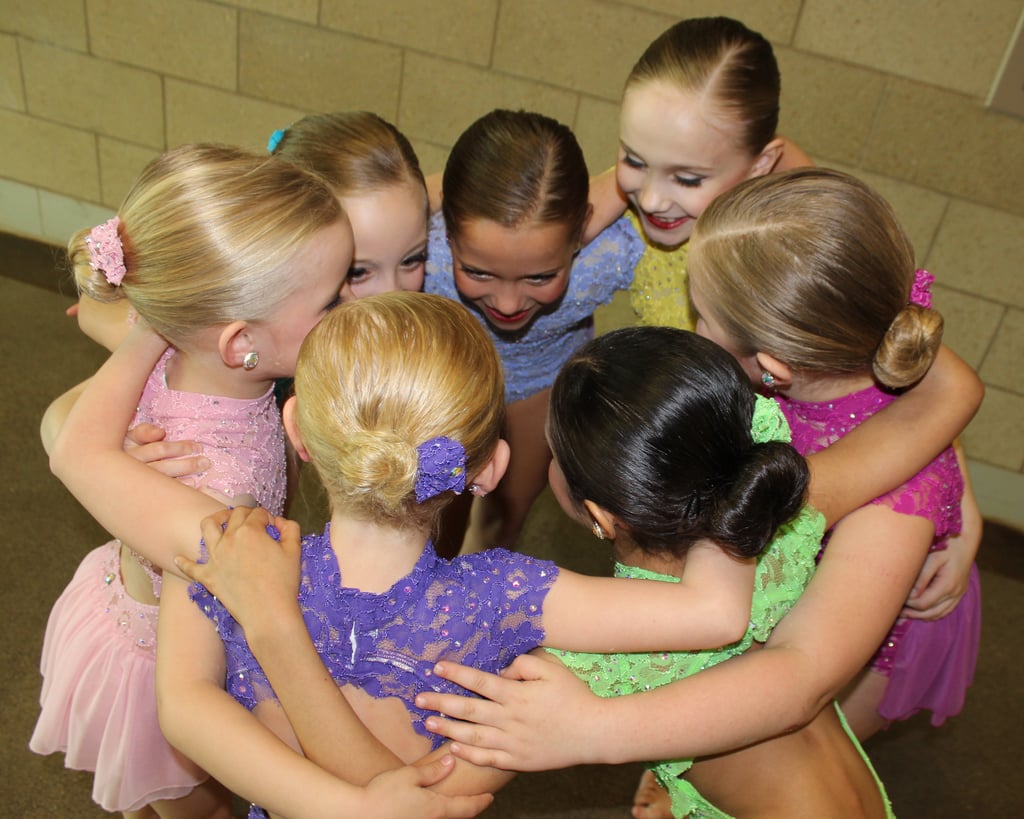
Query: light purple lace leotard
{"x": 482, "y": 610}
{"x": 532, "y": 357}
{"x": 930, "y": 664}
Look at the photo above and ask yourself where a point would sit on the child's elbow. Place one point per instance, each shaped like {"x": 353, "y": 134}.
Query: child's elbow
{"x": 732, "y": 624}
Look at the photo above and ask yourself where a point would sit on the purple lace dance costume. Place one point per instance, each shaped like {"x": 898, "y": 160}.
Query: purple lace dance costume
{"x": 930, "y": 664}
{"x": 532, "y": 357}
{"x": 482, "y": 610}
{"x": 99, "y": 653}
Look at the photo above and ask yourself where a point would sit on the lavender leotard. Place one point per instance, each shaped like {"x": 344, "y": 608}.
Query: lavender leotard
{"x": 532, "y": 357}
{"x": 482, "y": 610}
{"x": 930, "y": 664}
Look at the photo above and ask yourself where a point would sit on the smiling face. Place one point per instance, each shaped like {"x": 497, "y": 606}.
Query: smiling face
{"x": 675, "y": 158}
{"x": 390, "y": 230}
{"x": 510, "y": 274}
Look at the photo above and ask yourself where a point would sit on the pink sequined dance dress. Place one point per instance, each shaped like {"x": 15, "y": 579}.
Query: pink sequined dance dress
{"x": 930, "y": 664}
{"x": 99, "y": 654}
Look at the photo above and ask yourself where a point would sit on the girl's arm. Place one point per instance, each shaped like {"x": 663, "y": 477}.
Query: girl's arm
{"x": 175, "y": 459}
{"x": 709, "y": 607}
{"x": 106, "y": 323}
{"x": 260, "y": 578}
{"x": 943, "y": 578}
{"x": 792, "y": 156}
{"x": 256, "y": 578}
{"x": 895, "y": 444}
{"x": 209, "y": 726}
{"x": 158, "y": 516}
{"x": 607, "y": 202}
{"x": 551, "y": 721}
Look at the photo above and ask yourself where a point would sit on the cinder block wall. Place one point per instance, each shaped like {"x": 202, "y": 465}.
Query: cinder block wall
{"x": 893, "y": 91}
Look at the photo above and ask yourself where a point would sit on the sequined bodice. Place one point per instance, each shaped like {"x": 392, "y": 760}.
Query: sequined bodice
{"x": 533, "y": 357}
{"x": 242, "y": 438}
{"x": 933, "y": 493}
{"x": 482, "y": 610}
{"x": 659, "y": 295}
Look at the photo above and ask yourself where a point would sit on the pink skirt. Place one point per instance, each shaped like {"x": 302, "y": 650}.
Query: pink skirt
{"x": 933, "y": 662}
{"x": 99, "y": 692}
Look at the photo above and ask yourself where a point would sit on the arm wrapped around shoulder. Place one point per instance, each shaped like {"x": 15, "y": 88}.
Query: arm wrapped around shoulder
{"x": 766, "y": 491}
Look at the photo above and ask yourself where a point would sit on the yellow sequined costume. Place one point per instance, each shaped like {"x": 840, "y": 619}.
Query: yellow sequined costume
{"x": 658, "y": 294}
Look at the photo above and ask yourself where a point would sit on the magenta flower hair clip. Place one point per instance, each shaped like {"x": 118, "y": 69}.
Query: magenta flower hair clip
{"x": 106, "y": 254}
{"x": 441, "y": 467}
{"x": 921, "y": 292}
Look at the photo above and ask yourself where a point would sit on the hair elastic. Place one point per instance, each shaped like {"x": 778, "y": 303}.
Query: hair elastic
{"x": 441, "y": 467}
{"x": 106, "y": 253}
{"x": 921, "y": 292}
{"x": 768, "y": 423}
{"x": 275, "y": 140}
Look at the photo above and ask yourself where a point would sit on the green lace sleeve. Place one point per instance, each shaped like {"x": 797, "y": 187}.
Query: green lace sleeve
{"x": 783, "y": 571}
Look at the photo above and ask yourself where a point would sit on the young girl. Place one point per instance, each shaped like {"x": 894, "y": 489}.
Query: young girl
{"x": 880, "y": 336}
{"x": 398, "y": 403}
{"x": 625, "y": 423}
{"x": 508, "y": 245}
{"x": 232, "y": 258}
{"x": 699, "y": 115}
{"x": 783, "y": 246}
{"x": 374, "y": 172}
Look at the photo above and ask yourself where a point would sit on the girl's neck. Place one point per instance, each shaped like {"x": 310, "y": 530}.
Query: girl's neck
{"x": 207, "y": 374}
{"x": 663, "y": 563}
{"x": 815, "y": 387}
{"x": 371, "y": 557}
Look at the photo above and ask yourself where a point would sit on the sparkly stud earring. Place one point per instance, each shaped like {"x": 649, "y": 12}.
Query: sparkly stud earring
{"x": 475, "y": 490}
{"x": 768, "y": 379}
{"x": 598, "y": 531}
{"x": 250, "y": 360}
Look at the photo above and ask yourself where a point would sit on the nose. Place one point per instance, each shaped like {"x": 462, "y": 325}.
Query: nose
{"x": 507, "y": 300}
{"x": 650, "y": 198}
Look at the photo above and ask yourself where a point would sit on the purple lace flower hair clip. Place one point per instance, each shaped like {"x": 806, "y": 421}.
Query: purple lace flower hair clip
{"x": 921, "y": 292}
{"x": 106, "y": 254}
{"x": 441, "y": 467}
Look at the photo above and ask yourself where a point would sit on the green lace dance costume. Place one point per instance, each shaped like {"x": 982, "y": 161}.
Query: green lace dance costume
{"x": 783, "y": 571}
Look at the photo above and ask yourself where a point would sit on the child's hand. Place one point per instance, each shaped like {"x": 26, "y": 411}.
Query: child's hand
{"x": 537, "y": 716}
{"x": 175, "y": 459}
{"x": 403, "y": 792}
{"x": 253, "y": 575}
{"x": 944, "y": 575}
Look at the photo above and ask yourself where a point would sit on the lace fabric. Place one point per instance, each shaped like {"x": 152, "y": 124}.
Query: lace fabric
{"x": 532, "y": 357}
{"x": 481, "y": 610}
{"x": 783, "y": 571}
{"x": 934, "y": 493}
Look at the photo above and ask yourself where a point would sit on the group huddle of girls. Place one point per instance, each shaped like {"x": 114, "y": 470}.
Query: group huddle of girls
{"x": 445, "y": 372}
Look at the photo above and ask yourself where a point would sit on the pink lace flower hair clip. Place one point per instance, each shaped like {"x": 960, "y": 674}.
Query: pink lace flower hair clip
{"x": 921, "y": 291}
{"x": 106, "y": 253}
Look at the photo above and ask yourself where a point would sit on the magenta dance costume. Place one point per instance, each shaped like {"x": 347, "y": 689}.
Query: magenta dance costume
{"x": 99, "y": 655}
{"x": 482, "y": 610}
{"x": 930, "y": 663}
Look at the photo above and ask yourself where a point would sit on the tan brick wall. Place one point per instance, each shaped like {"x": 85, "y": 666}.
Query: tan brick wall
{"x": 892, "y": 91}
